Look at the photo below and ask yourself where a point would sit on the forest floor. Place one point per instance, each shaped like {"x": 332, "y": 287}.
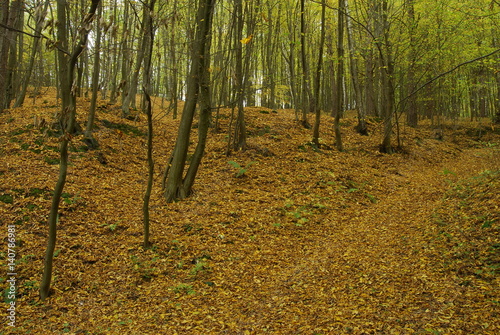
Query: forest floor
{"x": 305, "y": 241}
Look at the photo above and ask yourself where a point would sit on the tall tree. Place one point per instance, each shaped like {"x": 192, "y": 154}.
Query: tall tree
{"x": 317, "y": 79}
{"x": 306, "y": 90}
{"x": 361, "y": 127}
{"x": 411, "y": 114}
{"x": 4, "y": 51}
{"x": 340, "y": 76}
{"x": 95, "y": 83}
{"x": 174, "y": 185}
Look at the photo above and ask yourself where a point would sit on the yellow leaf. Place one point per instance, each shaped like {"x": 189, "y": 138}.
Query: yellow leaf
{"x": 246, "y": 40}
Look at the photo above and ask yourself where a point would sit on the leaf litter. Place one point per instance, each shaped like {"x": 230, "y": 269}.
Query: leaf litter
{"x": 303, "y": 241}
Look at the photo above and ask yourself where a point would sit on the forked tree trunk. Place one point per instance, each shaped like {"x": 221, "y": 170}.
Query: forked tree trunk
{"x": 175, "y": 188}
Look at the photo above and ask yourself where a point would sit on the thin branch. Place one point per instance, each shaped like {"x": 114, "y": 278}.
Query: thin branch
{"x": 34, "y": 36}
{"x": 447, "y": 72}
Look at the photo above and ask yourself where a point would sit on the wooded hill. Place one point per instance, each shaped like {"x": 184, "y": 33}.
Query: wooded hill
{"x": 303, "y": 240}
{"x": 326, "y": 209}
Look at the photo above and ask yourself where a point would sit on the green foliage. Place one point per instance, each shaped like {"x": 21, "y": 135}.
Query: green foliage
{"x": 184, "y": 289}
{"x": 70, "y": 199}
{"x": 240, "y": 169}
{"x": 6, "y": 198}
{"x": 51, "y": 160}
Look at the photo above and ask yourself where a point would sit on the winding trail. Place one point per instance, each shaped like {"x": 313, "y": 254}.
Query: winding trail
{"x": 371, "y": 272}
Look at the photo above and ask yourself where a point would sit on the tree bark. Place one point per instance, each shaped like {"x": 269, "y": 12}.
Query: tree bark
{"x": 306, "y": 92}
{"x": 95, "y": 84}
{"x": 69, "y": 109}
{"x": 361, "y": 127}
{"x": 340, "y": 76}
{"x": 174, "y": 186}
{"x": 4, "y": 53}
{"x": 317, "y": 78}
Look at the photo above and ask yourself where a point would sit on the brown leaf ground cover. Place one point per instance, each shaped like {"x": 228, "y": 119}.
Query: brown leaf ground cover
{"x": 304, "y": 241}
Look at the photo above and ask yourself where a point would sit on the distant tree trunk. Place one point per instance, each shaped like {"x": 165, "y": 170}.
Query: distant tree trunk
{"x": 174, "y": 185}
{"x": 306, "y": 92}
{"x": 129, "y": 101}
{"x": 70, "y": 110}
{"x": 113, "y": 86}
{"x": 174, "y": 86}
{"x": 95, "y": 83}
{"x": 340, "y": 76}
{"x": 240, "y": 135}
{"x": 40, "y": 14}
{"x": 149, "y": 33}
{"x": 386, "y": 73}
{"x": 15, "y": 21}
{"x": 62, "y": 58}
{"x": 361, "y": 127}
{"x": 4, "y": 53}
{"x": 317, "y": 78}
{"x": 124, "y": 45}
{"x": 411, "y": 116}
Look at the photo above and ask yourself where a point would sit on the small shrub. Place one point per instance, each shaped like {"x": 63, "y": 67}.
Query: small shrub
{"x": 240, "y": 169}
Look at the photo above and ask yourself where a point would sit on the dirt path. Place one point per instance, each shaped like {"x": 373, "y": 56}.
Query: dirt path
{"x": 370, "y": 272}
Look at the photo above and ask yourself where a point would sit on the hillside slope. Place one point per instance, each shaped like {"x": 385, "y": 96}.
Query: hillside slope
{"x": 305, "y": 241}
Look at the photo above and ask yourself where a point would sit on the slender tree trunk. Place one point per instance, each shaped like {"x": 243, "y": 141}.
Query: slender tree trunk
{"x": 240, "y": 127}
{"x": 4, "y": 53}
{"x": 41, "y": 12}
{"x": 15, "y": 21}
{"x": 412, "y": 116}
{"x": 361, "y": 127}
{"x": 125, "y": 48}
{"x": 129, "y": 101}
{"x": 317, "y": 79}
{"x": 95, "y": 82}
{"x": 147, "y": 195}
{"x": 386, "y": 74}
{"x": 70, "y": 110}
{"x": 340, "y": 76}
{"x": 306, "y": 93}
{"x": 175, "y": 71}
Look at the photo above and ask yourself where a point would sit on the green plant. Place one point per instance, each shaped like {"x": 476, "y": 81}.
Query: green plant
{"x": 6, "y": 198}
{"x": 240, "y": 169}
{"x": 70, "y": 199}
{"x": 199, "y": 266}
{"x": 111, "y": 226}
{"x": 184, "y": 288}
{"x": 51, "y": 161}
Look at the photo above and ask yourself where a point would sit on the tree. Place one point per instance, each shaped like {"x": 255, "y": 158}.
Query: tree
{"x": 306, "y": 91}
{"x": 40, "y": 14}
{"x": 317, "y": 79}
{"x": 340, "y": 76}
{"x": 95, "y": 84}
{"x": 4, "y": 52}
{"x": 174, "y": 183}
{"x": 67, "y": 116}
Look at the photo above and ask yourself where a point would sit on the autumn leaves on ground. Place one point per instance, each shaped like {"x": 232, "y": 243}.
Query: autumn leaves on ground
{"x": 283, "y": 238}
